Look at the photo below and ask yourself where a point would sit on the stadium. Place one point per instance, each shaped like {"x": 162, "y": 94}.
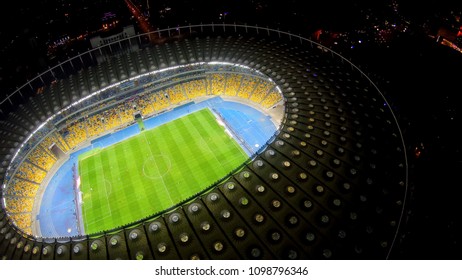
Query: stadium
{"x": 212, "y": 141}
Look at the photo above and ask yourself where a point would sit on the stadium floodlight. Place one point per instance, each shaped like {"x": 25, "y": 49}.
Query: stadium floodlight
{"x": 4, "y": 203}
{"x": 220, "y": 63}
{"x": 235, "y": 65}
{"x": 279, "y": 89}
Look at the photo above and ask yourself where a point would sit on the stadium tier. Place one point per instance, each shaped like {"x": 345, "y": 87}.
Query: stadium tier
{"x": 330, "y": 183}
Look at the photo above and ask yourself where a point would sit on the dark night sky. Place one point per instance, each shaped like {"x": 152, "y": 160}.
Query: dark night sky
{"x": 27, "y": 26}
{"x": 421, "y": 79}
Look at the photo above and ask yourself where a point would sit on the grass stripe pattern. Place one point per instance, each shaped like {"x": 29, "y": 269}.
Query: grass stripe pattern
{"x": 154, "y": 170}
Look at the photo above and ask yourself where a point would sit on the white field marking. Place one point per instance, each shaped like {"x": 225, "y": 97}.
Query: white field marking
{"x": 101, "y": 218}
{"x": 97, "y": 221}
{"x": 240, "y": 148}
{"x": 88, "y": 171}
{"x": 206, "y": 148}
{"x": 110, "y": 187}
{"x": 153, "y": 159}
{"x": 163, "y": 182}
{"x": 98, "y": 165}
{"x": 105, "y": 190}
{"x": 210, "y": 150}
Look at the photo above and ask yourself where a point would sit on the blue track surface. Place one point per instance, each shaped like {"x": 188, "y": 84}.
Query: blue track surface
{"x": 57, "y": 215}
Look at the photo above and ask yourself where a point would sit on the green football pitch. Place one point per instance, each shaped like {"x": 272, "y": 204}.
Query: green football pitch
{"x": 154, "y": 170}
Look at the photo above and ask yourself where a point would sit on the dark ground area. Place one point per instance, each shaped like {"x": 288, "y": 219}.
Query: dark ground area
{"x": 423, "y": 85}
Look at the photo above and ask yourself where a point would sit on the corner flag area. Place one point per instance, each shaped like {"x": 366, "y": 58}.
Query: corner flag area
{"x": 154, "y": 170}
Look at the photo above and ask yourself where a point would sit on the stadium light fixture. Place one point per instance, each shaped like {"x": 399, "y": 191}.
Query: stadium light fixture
{"x": 279, "y": 89}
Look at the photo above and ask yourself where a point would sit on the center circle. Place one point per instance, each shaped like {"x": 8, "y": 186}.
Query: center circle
{"x": 156, "y": 166}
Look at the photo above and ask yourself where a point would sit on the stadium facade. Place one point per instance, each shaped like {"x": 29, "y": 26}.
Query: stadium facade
{"x": 331, "y": 183}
